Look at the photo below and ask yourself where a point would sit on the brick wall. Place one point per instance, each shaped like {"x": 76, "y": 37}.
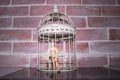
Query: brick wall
{"x": 97, "y": 23}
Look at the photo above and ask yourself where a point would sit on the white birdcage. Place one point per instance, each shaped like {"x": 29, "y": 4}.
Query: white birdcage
{"x": 56, "y": 43}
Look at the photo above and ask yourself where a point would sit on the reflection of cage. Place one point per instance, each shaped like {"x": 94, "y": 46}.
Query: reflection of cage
{"x": 56, "y": 43}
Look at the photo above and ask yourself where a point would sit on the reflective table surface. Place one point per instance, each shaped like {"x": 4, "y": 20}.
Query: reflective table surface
{"x": 94, "y": 73}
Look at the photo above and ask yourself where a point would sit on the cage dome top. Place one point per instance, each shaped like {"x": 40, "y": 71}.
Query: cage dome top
{"x": 56, "y": 24}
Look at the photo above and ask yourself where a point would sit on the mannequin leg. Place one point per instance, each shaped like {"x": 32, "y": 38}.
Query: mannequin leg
{"x": 56, "y": 64}
{"x": 53, "y": 63}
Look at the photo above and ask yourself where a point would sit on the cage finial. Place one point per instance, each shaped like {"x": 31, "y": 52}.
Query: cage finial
{"x": 55, "y": 9}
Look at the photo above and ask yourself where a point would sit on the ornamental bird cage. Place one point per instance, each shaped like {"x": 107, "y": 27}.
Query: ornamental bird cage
{"x": 56, "y": 43}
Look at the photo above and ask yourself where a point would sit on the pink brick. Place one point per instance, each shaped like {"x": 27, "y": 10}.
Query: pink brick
{"x": 25, "y": 47}
{"x": 111, "y": 10}
{"x": 35, "y": 35}
{"x": 92, "y": 61}
{"x": 114, "y": 34}
{"x": 98, "y": 2}
{"x": 104, "y": 21}
{"x": 27, "y": 22}
{"x": 115, "y": 61}
{"x": 44, "y": 10}
{"x": 40, "y": 10}
{"x": 79, "y": 22}
{"x": 14, "y": 61}
{"x": 64, "y": 1}
{"x": 4, "y": 2}
{"x": 16, "y": 2}
{"x": 14, "y": 11}
{"x": 105, "y": 47}
{"x": 33, "y": 61}
{"x": 5, "y": 22}
{"x": 5, "y": 47}
{"x": 83, "y": 10}
{"x": 15, "y": 35}
{"x": 82, "y": 47}
{"x": 91, "y": 34}
{"x": 43, "y": 47}
{"x": 118, "y": 2}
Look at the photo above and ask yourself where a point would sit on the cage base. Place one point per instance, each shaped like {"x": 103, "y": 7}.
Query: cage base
{"x": 55, "y": 70}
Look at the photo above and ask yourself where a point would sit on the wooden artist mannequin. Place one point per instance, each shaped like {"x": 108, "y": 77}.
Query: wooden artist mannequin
{"x": 54, "y": 56}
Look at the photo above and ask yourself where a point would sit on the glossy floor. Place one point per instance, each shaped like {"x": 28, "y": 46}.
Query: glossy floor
{"x": 80, "y": 74}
